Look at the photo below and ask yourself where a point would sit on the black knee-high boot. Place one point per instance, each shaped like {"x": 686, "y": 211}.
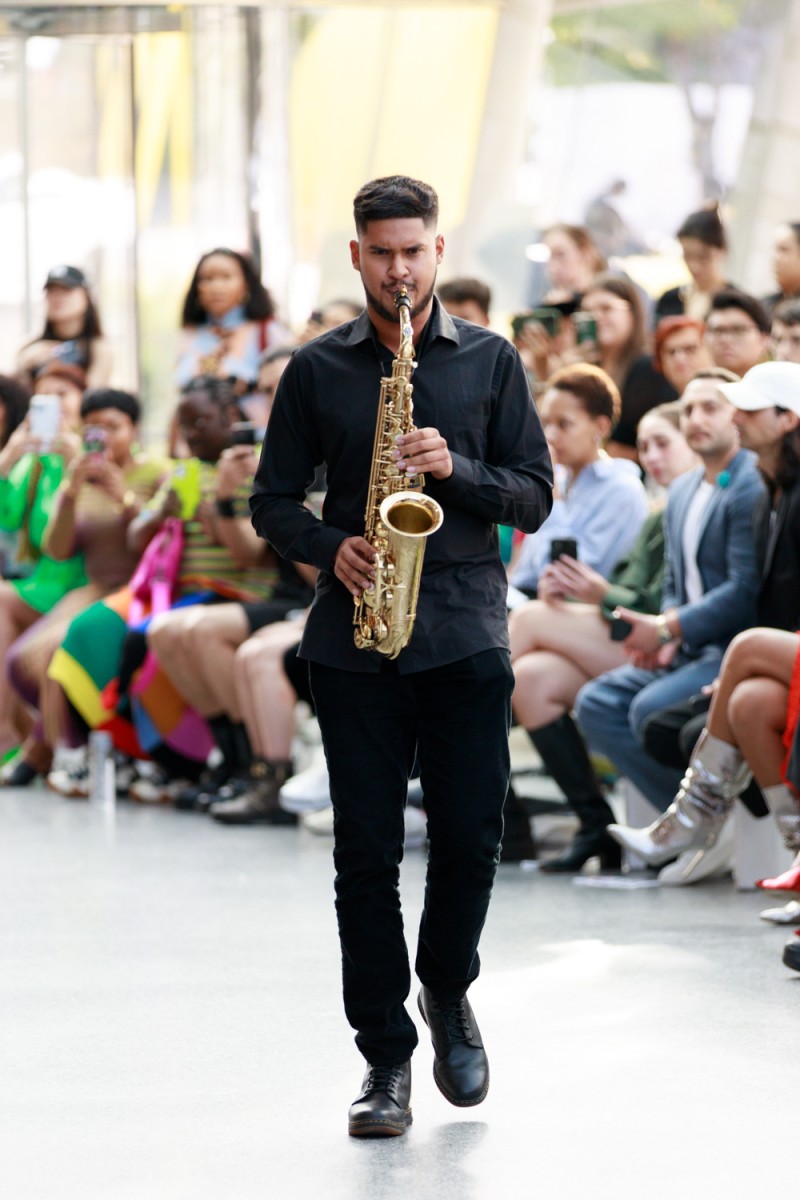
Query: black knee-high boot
{"x": 518, "y": 843}
{"x": 564, "y": 754}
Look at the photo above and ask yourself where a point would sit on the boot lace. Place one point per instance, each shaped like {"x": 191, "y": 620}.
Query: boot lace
{"x": 384, "y": 1079}
{"x": 456, "y": 1021}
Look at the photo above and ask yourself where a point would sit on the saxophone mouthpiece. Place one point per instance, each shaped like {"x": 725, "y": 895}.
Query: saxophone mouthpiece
{"x": 401, "y": 297}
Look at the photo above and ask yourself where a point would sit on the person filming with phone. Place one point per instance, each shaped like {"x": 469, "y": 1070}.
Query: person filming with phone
{"x": 102, "y": 482}
{"x": 599, "y": 502}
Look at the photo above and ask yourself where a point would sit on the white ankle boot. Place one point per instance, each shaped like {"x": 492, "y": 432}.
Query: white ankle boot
{"x": 716, "y": 775}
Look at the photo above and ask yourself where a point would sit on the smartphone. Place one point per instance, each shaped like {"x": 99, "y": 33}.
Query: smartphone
{"x": 585, "y": 327}
{"x": 548, "y": 318}
{"x": 619, "y": 629}
{"x": 186, "y": 482}
{"x": 244, "y": 433}
{"x": 95, "y": 439}
{"x": 44, "y": 419}
{"x": 559, "y": 546}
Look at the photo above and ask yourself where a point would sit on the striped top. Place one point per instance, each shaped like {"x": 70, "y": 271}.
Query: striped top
{"x": 207, "y": 565}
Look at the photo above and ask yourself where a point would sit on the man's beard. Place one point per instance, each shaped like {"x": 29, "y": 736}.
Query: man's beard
{"x": 391, "y": 314}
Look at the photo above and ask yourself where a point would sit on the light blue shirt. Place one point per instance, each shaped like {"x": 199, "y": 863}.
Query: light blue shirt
{"x": 603, "y": 508}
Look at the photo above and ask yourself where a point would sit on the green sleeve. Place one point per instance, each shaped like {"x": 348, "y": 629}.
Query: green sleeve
{"x": 636, "y": 580}
{"x": 14, "y": 494}
{"x": 45, "y": 498}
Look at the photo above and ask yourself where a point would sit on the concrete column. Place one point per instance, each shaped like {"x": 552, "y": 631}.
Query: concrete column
{"x": 515, "y": 71}
{"x": 766, "y": 192}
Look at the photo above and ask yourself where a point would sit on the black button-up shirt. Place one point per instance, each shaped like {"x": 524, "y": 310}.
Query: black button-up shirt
{"x": 470, "y": 385}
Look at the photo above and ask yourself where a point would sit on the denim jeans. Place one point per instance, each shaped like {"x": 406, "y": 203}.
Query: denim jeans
{"x": 612, "y": 710}
{"x": 456, "y": 718}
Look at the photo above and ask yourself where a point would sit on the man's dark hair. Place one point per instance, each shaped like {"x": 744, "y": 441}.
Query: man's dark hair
{"x": 787, "y": 312}
{"x": 395, "y": 196}
{"x": 104, "y": 397}
{"x": 461, "y": 291}
{"x": 787, "y": 474}
{"x": 753, "y": 308}
{"x": 706, "y": 226}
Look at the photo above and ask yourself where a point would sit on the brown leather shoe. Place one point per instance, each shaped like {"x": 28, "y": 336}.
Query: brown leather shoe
{"x": 460, "y": 1065}
{"x": 382, "y": 1108}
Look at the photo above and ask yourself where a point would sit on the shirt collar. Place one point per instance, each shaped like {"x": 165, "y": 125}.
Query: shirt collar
{"x": 439, "y": 324}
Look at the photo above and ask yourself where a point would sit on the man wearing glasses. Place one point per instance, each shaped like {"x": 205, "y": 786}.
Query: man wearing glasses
{"x": 737, "y": 331}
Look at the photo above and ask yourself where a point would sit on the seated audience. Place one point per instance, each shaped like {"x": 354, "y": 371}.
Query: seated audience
{"x": 705, "y": 251}
{"x": 98, "y": 664}
{"x": 72, "y": 331}
{"x": 14, "y": 398}
{"x": 562, "y": 641}
{"x": 767, "y": 414}
{"x": 599, "y": 501}
{"x": 710, "y": 589}
{"x": 105, "y": 487}
{"x": 31, "y": 473}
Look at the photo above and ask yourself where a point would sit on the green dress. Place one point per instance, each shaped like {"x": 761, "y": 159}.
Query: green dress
{"x": 26, "y": 503}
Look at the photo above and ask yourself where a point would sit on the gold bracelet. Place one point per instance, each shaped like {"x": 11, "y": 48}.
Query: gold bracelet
{"x": 664, "y": 635}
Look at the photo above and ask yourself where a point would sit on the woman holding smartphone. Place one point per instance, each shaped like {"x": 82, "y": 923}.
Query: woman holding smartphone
{"x": 102, "y": 485}
{"x": 569, "y": 636}
{"x": 599, "y": 501}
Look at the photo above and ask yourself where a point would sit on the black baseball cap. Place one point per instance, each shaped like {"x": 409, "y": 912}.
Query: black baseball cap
{"x": 67, "y": 277}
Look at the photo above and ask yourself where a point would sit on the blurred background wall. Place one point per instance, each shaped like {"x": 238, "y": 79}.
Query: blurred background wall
{"x": 136, "y": 137}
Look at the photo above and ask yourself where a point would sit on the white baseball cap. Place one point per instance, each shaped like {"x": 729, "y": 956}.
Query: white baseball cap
{"x": 767, "y": 385}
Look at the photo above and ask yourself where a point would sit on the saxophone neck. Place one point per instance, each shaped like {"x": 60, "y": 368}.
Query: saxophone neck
{"x": 403, "y": 305}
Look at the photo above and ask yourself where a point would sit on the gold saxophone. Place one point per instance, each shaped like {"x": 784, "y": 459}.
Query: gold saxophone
{"x": 398, "y": 517}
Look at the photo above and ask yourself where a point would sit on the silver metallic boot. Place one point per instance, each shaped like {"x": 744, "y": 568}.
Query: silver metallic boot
{"x": 716, "y": 775}
{"x": 784, "y": 806}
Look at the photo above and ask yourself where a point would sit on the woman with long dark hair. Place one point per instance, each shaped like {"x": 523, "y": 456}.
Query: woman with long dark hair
{"x": 72, "y": 331}
{"x": 228, "y": 321}
{"x": 620, "y": 349}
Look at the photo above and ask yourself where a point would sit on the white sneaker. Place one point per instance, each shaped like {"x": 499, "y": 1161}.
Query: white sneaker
{"x": 694, "y": 865}
{"x": 70, "y": 774}
{"x": 308, "y": 792}
{"x": 319, "y": 822}
{"x": 416, "y": 824}
{"x": 157, "y": 787}
{"x": 787, "y": 914}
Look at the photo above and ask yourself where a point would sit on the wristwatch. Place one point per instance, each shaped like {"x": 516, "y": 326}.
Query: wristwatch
{"x": 664, "y": 635}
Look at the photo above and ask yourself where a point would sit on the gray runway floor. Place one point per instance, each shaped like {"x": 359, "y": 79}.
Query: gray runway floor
{"x": 171, "y": 1029}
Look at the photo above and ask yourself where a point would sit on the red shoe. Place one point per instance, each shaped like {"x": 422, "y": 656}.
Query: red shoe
{"x": 789, "y": 881}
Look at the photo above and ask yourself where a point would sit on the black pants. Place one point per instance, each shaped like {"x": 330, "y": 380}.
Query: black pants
{"x": 456, "y": 718}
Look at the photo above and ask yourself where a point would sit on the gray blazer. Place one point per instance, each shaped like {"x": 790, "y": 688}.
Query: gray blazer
{"x": 726, "y": 556}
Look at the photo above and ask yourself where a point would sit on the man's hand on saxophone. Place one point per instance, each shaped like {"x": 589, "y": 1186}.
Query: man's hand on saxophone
{"x": 424, "y": 450}
{"x": 353, "y": 565}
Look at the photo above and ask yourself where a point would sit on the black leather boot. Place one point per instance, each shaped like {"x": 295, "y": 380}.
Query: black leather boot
{"x": 518, "y": 843}
{"x": 564, "y": 754}
{"x": 460, "y": 1065}
{"x": 383, "y": 1106}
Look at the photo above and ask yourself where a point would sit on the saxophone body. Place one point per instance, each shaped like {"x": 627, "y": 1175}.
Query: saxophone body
{"x": 398, "y": 518}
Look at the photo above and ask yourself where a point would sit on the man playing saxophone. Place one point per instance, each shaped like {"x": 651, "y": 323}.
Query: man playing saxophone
{"x": 445, "y": 697}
